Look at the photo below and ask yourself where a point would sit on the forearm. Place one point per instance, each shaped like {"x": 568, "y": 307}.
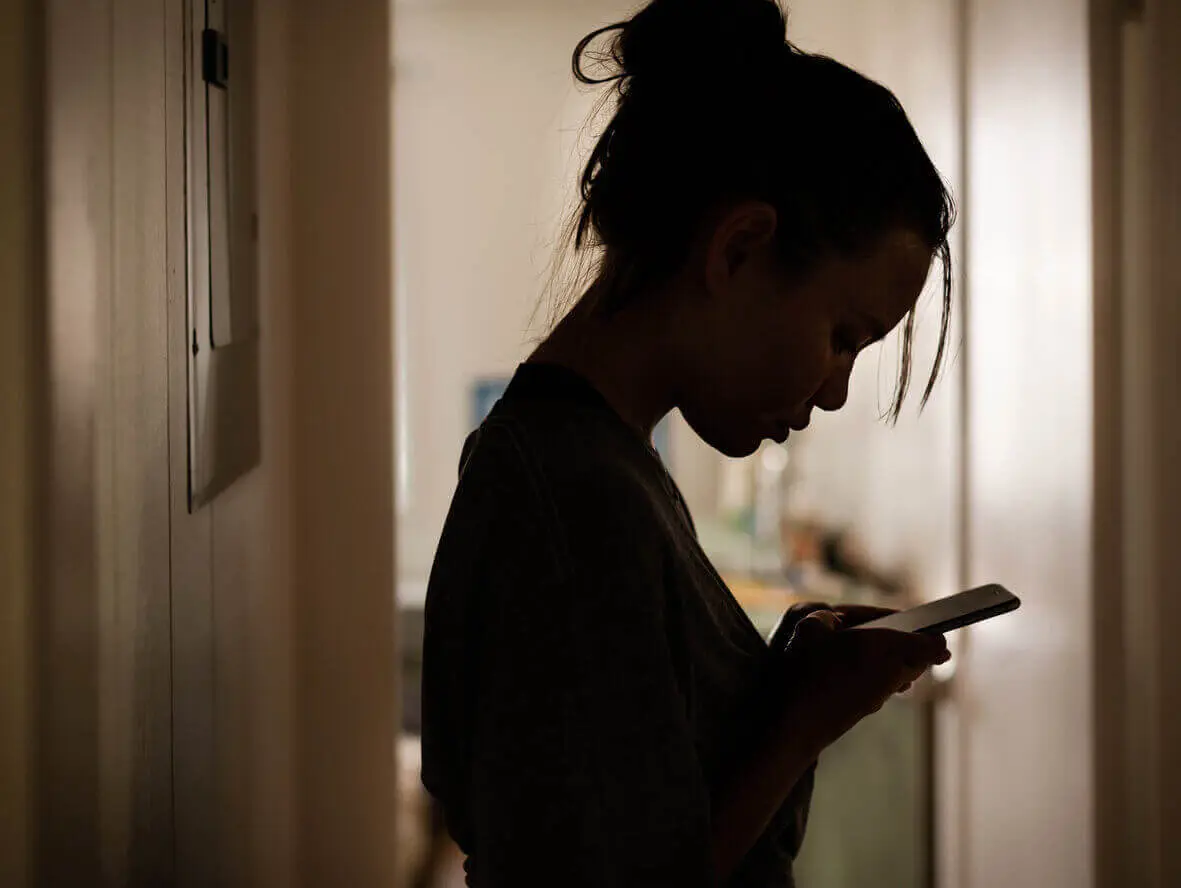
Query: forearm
{"x": 756, "y": 790}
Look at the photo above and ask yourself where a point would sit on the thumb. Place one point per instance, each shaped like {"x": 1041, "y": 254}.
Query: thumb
{"x": 815, "y": 626}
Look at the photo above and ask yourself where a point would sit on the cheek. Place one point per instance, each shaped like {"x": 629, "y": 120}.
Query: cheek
{"x": 797, "y": 359}
{"x": 758, "y": 364}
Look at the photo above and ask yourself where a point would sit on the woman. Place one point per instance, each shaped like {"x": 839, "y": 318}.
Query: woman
{"x": 598, "y": 710}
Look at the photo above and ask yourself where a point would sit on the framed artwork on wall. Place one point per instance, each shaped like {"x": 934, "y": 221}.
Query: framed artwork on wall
{"x": 485, "y": 393}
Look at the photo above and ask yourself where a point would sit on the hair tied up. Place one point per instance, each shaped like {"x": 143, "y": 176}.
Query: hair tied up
{"x": 678, "y": 40}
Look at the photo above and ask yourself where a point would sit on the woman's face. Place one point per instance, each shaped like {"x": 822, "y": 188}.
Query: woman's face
{"x": 759, "y": 351}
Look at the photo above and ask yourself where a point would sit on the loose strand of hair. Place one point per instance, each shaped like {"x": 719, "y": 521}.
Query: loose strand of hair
{"x": 613, "y": 54}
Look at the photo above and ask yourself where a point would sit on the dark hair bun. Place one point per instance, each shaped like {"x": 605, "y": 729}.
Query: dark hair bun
{"x": 682, "y": 39}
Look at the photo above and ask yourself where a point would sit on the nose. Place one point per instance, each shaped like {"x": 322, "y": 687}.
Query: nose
{"x": 833, "y": 394}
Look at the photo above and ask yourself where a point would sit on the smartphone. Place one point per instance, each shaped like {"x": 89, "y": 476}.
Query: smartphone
{"x": 952, "y": 612}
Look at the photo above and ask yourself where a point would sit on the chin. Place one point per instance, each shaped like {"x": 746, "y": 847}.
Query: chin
{"x": 736, "y": 440}
{"x": 736, "y": 447}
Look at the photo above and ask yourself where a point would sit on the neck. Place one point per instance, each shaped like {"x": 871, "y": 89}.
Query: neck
{"x": 625, "y": 356}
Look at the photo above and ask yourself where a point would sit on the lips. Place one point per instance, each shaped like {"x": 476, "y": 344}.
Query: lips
{"x": 801, "y": 421}
{"x": 780, "y": 427}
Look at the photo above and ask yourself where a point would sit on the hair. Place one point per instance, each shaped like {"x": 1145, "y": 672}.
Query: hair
{"x": 714, "y": 104}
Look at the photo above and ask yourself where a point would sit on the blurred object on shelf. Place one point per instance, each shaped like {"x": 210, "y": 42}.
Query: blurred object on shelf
{"x": 743, "y": 537}
{"x": 841, "y": 554}
{"x": 828, "y": 558}
{"x": 772, "y": 478}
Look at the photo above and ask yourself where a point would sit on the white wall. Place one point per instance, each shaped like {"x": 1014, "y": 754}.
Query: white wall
{"x": 342, "y": 486}
{"x": 1025, "y": 683}
{"x": 486, "y": 117}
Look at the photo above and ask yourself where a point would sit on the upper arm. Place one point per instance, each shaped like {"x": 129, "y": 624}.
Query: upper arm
{"x": 583, "y": 766}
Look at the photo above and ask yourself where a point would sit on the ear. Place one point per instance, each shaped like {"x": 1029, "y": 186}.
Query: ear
{"x": 741, "y": 232}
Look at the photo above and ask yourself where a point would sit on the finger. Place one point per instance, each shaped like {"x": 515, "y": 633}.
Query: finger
{"x": 903, "y": 680}
{"x": 924, "y": 658}
{"x": 816, "y": 625}
{"x": 936, "y": 637}
{"x": 929, "y": 646}
{"x": 939, "y": 652}
{"x": 856, "y": 614}
{"x": 915, "y": 649}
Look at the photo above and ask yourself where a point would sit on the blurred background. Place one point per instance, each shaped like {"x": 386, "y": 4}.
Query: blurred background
{"x": 267, "y": 262}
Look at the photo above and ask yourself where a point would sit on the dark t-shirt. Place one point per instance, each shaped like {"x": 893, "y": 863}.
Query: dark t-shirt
{"x": 588, "y": 678}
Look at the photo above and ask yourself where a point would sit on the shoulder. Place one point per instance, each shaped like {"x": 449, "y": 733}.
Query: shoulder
{"x": 562, "y": 508}
{"x": 575, "y": 468}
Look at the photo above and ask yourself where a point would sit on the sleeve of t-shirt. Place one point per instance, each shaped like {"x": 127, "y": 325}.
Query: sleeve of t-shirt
{"x": 583, "y": 767}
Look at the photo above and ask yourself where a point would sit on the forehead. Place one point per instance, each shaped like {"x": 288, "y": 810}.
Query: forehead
{"x": 886, "y": 280}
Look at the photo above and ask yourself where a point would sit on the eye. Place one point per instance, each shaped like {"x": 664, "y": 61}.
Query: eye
{"x": 845, "y": 341}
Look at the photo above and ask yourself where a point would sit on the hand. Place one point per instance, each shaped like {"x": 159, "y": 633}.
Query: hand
{"x": 850, "y": 615}
{"x": 835, "y": 678}
{"x": 839, "y": 677}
